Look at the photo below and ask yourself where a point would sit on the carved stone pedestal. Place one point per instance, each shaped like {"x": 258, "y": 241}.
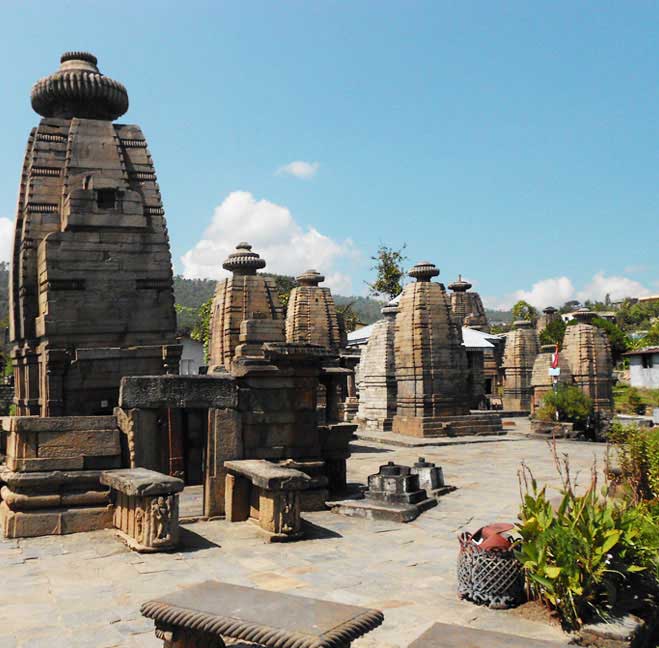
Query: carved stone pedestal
{"x": 268, "y": 494}
{"x": 145, "y": 508}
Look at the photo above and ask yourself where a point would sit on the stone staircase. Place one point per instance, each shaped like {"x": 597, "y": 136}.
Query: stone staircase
{"x": 482, "y": 424}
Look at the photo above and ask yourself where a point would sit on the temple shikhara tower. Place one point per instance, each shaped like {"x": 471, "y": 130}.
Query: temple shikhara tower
{"x": 522, "y": 347}
{"x": 245, "y": 295}
{"x": 467, "y": 306}
{"x": 311, "y": 315}
{"x": 91, "y": 296}
{"x": 432, "y": 375}
{"x": 588, "y": 352}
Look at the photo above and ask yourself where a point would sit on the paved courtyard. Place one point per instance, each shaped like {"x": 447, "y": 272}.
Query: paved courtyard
{"x": 86, "y": 589}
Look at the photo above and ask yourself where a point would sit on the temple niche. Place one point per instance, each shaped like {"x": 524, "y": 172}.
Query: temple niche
{"x": 467, "y": 306}
{"x": 91, "y": 296}
{"x": 377, "y": 376}
{"x": 312, "y": 316}
{"x": 541, "y": 380}
{"x": 588, "y": 352}
{"x": 245, "y": 295}
{"x": 432, "y": 375}
{"x": 519, "y": 355}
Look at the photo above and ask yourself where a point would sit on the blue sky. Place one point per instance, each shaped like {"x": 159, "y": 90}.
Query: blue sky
{"x": 512, "y": 142}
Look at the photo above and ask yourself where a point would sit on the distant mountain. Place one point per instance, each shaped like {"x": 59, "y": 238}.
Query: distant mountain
{"x": 499, "y": 315}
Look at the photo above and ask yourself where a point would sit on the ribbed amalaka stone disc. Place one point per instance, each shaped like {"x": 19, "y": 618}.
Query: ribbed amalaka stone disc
{"x": 521, "y": 349}
{"x": 311, "y": 315}
{"x": 245, "y": 295}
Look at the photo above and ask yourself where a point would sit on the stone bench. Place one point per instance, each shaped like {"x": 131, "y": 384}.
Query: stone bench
{"x": 267, "y": 493}
{"x": 205, "y": 614}
{"x": 446, "y": 635}
{"x": 145, "y": 507}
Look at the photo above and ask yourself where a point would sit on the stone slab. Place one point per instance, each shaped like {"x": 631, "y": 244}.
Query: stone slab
{"x": 404, "y": 441}
{"x": 269, "y": 476}
{"x": 372, "y": 510}
{"x": 446, "y": 635}
{"x": 141, "y": 482}
{"x": 153, "y": 392}
{"x": 271, "y": 617}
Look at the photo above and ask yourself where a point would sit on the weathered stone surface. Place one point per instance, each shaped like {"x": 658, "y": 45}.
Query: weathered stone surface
{"x": 152, "y": 392}
{"x": 141, "y": 482}
{"x": 541, "y": 381}
{"x": 91, "y": 295}
{"x": 245, "y": 295}
{"x": 467, "y": 306}
{"x": 431, "y": 362}
{"x": 311, "y": 314}
{"x": 588, "y": 353}
{"x": 444, "y": 635}
{"x": 377, "y": 376}
{"x": 522, "y": 347}
{"x": 549, "y": 314}
{"x": 268, "y": 475}
{"x": 277, "y": 619}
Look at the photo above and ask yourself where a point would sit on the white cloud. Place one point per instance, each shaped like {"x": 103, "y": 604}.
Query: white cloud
{"x": 616, "y": 287}
{"x": 556, "y": 291}
{"x": 299, "y": 169}
{"x": 6, "y": 238}
{"x": 287, "y": 247}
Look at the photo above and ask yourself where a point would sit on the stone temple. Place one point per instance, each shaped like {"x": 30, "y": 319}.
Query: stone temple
{"x": 519, "y": 355}
{"x": 91, "y": 297}
{"x": 246, "y": 295}
{"x": 432, "y": 375}
{"x": 541, "y": 381}
{"x": 311, "y": 315}
{"x": 588, "y": 352}
{"x": 467, "y": 306}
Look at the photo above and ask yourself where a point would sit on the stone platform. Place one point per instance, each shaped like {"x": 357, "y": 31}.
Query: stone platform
{"x": 85, "y": 590}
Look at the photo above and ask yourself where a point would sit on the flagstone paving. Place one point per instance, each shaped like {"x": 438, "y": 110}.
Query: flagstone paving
{"x": 85, "y": 590}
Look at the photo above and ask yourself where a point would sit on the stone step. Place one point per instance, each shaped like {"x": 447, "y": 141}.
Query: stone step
{"x": 445, "y": 635}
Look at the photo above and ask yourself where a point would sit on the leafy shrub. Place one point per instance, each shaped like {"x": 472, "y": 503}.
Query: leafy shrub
{"x": 579, "y": 554}
{"x": 635, "y": 453}
{"x": 569, "y": 402}
{"x": 554, "y": 332}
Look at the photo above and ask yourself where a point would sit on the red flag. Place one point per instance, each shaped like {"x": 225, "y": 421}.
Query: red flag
{"x": 554, "y": 358}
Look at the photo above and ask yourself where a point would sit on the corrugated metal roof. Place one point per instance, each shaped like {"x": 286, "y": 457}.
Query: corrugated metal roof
{"x": 643, "y": 351}
{"x": 472, "y": 338}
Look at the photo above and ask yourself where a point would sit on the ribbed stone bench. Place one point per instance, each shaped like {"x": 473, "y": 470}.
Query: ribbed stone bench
{"x": 145, "y": 507}
{"x": 267, "y": 493}
{"x": 446, "y": 635}
{"x": 203, "y": 615}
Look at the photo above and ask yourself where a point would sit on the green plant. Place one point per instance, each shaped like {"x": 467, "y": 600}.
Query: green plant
{"x": 579, "y": 553}
{"x": 554, "y": 332}
{"x": 522, "y": 310}
{"x": 633, "y": 457}
{"x": 389, "y": 272}
{"x": 567, "y": 403}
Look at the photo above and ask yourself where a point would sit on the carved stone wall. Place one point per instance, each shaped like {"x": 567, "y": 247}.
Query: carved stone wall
{"x": 377, "y": 376}
{"x": 519, "y": 355}
{"x": 311, "y": 314}
{"x": 245, "y": 295}
{"x": 432, "y": 375}
{"x": 588, "y": 352}
{"x": 91, "y": 294}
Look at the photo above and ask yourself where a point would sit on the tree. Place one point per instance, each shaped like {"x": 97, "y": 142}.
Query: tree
{"x": 554, "y": 332}
{"x": 617, "y": 337}
{"x": 567, "y": 403}
{"x": 390, "y": 272}
{"x": 651, "y": 338}
{"x": 522, "y": 310}
{"x": 570, "y": 306}
{"x": 201, "y": 331}
{"x": 349, "y": 316}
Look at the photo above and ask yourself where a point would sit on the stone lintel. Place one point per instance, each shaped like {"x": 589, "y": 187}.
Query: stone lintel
{"x": 153, "y": 392}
